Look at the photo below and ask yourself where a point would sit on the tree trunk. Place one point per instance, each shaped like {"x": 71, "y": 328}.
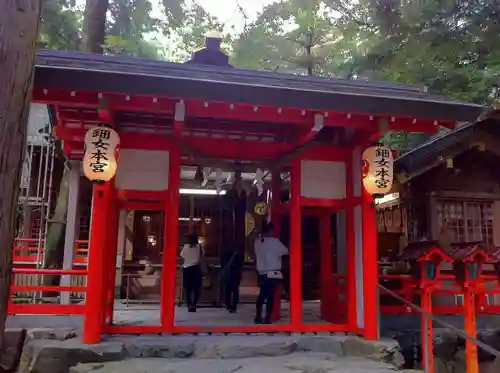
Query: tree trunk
{"x": 94, "y": 28}
{"x": 54, "y": 249}
{"x": 94, "y": 25}
{"x": 19, "y": 22}
{"x": 310, "y": 62}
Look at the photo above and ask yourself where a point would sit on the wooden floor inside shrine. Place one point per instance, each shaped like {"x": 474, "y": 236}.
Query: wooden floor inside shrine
{"x": 140, "y": 314}
{"x": 149, "y": 314}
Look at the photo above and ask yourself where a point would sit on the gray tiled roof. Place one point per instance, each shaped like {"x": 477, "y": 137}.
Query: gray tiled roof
{"x": 428, "y": 152}
{"x": 74, "y": 70}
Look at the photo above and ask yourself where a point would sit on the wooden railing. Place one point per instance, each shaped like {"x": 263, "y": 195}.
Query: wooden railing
{"x": 29, "y": 251}
{"x": 37, "y": 304}
{"x": 27, "y": 254}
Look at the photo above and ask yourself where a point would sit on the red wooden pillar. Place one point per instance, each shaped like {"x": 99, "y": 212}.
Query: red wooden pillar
{"x": 295, "y": 245}
{"x": 370, "y": 268}
{"x": 170, "y": 243}
{"x": 427, "y": 335}
{"x": 111, "y": 251}
{"x": 95, "y": 300}
{"x": 276, "y": 219}
{"x": 328, "y": 301}
{"x": 350, "y": 244}
{"x": 470, "y": 329}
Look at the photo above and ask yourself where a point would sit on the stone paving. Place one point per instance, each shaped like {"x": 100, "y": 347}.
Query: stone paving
{"x": 61, "y": 351}
{"x": 57, "y": 348}
{"x": 294, "y": 363}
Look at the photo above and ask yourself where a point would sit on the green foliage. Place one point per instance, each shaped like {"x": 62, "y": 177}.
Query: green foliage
{"x": 450, "y": 46}
{"x": 296, "y": 36}
{"x": 129, "y": 21}
{"x": 117, "y": 45}
{"x": 174, "y": 12}
{"x": 60, "y": 27}
{"x": 403, "y": 141}
{"x": 191, "y": 34}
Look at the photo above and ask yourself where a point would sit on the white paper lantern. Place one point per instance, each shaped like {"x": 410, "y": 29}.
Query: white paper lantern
{"x": 378, "y": 170}
{"x": 99, "y": 161}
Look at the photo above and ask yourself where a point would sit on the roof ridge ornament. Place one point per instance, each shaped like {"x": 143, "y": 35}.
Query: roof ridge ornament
{"x": 211, "y": 53}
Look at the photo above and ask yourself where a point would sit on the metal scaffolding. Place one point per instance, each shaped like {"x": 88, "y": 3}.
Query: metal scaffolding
{"x": 36, "y": 193}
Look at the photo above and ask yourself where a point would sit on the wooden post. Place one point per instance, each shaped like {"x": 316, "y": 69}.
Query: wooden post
{"x": 427, "y": 335}
{"x": 71, "y": 233}
{"x": 95, "y": 303}
{"x": 350, "y": 243}
{"x": 19, "y": 22}
{"x": 471, "y": 357}
{"x": 112, "y": 249}
{"x": 171, "y": 243}
{"x": 370, "y": 268}
{"x": 328, "y": 303}
{"x": 276, "y": 219}
{"x": 295, "y": 245}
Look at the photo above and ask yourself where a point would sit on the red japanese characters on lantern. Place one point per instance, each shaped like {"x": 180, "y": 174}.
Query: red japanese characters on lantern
{"x": 99, "y": 161}
{"x": 378, "y": 170}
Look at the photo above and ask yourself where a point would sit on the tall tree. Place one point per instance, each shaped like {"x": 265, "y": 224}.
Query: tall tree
{"x": 191, "y": 33}
{"x": 94, "y": 25}
{"x": 19, "y": 21}
{"x": 449, "y": 46}
{"x": 127, "y": 25}
{"x": 93, "y": 41}
{"x": 293, "y": 36}
{"x": 61, "y": 25}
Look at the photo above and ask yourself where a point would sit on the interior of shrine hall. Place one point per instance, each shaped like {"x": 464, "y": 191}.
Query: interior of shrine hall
{"x": 206, "y": 211}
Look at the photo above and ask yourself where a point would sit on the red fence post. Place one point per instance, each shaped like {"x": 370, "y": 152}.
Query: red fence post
{"x": 95, "y": 300}
{"x": 171, "y": 243}
{"x": 370, "y": 268}
{"x": 114, "y": 214}
{"x": 427, "y": 335}
{"x": 276, "y": 219}
{"x": 470, "y": 329}
{"x": 295, "y": 245}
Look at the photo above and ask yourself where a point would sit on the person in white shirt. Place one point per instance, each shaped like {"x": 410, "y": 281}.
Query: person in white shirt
{"x": 268, "y": 254}
{"x": 192, "y": 276}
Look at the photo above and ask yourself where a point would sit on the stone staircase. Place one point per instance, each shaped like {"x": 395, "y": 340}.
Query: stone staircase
{"x": 61, "y": 351}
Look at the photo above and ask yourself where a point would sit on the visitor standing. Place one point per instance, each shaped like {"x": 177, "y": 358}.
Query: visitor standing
{"x": 232, "y": 258}
{"x": 269, "y": 251}
{"x": 192, "y": 275}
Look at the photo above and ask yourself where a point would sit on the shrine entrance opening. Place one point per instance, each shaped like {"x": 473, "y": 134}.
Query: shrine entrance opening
{"x": 142, "y": 236}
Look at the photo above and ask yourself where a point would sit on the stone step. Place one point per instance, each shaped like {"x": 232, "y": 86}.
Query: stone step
{"x": 293, "y": 363}
{"x": 58, "y": 354}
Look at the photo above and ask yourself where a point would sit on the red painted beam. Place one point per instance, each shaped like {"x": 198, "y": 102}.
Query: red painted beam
{"x": 46, "y": 309}
{"x": 209, "y": 147}
{"x": 226, "y": 128}
{"x": 144, "y": 195}
{"x": 226, "y": 110}
{"x": 142, "y": 205}
{"x": 237, "y": 149}
{"x": 326, "y": 153}
{"x": 330, "y": 204}
{"x": 85, "y": 99}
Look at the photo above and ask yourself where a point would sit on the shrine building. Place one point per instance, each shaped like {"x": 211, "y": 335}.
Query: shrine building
{"x": 166, "y": 142}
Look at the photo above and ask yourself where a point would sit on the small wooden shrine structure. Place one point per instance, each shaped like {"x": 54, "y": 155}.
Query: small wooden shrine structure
{"x": 208, "y": 113}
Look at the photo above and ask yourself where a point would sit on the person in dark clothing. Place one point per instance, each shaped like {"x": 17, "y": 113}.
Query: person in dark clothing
{"x": 191, "y": 272}
{"x": 268, "y": 254}
{"x": 232, "y": 260}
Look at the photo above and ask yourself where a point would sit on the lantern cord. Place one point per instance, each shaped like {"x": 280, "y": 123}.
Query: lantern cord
{"x": 440, "y": 321}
